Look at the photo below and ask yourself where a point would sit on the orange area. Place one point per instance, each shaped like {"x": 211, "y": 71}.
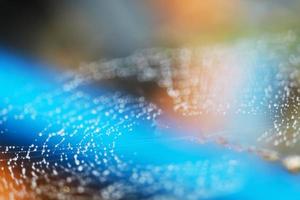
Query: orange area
{"x": 207, "y": 85}
{"x": 10, "y": 188}
{"x": 191, "y": 18}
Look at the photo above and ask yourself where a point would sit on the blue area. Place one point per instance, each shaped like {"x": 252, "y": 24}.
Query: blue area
{"x": 260, "y": 179}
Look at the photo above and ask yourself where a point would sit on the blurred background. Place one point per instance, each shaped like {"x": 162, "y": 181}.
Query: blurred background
{"x": 264, "y": 94}
{"x": 69, "y": 32}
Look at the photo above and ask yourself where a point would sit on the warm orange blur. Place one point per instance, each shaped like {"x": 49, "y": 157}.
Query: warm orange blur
{"x": 209, "y": 82}
{"x": 182, "y": 19}
{"x": 11, "y": 187}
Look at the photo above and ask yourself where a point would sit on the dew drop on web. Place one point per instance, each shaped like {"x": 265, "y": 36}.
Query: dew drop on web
{"x": 243, "y": 95}
{"x": 246, "y": 91}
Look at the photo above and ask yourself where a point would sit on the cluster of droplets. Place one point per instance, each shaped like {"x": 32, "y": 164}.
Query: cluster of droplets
{"x": 76, "y": 148}
{"x": 73, "y": 127}
{"x": 76, "y": 144}
{"x": 251, "y": 77}
{"x": 199, "y": 79}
